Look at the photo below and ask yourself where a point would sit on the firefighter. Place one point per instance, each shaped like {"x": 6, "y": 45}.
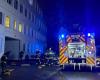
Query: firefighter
{"x": 3, "y": 63}
{"x": 50, "y": 55}
{"x": 37, "y": 56}
{"x": 21, "y": 55}
{"x": 27, "y": 58}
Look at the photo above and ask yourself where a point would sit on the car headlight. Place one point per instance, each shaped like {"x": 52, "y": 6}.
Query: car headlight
{"x": 98, "y": 62}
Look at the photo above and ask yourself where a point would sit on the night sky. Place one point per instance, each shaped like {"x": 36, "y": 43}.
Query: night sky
{"x": 65, "y": 13}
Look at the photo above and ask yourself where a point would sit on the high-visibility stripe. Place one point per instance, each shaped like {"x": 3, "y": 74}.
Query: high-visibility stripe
{"x": 61, "y": 49}
{"x": 64, "y": 49}
{"x": 69, "y": 39}
{"x": 87, "y": 47}
{"x": 81, "y": 39}
{"x": 62, "y": 59}
{"x": 90, "y": 60}
{"x": 61, "y": 56}
{"x": 65, "y": 61}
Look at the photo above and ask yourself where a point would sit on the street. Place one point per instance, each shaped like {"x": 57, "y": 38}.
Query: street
{"x": 47, "y": 73}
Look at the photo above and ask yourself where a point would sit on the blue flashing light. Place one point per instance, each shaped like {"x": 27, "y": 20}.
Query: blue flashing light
{"x": 93, "y": 34}
{"x": 62, "y": 36}
{"x": 89, "y": 34}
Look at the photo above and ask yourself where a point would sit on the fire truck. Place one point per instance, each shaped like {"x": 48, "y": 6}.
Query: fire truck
{"x": 77, "y": 48}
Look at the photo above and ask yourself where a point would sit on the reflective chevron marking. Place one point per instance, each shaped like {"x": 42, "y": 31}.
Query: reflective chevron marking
{"x": 90, "y": 60}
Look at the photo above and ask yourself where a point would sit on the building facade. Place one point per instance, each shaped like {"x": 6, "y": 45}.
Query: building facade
{"x": 22, "y": 27}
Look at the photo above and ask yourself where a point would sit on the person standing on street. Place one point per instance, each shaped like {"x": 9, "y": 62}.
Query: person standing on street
{"x": 3, "y": 63}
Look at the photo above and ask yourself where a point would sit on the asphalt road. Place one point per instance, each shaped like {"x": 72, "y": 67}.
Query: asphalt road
{"x": 47, "y": 73}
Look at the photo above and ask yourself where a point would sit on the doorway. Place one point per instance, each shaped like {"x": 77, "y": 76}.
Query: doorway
{"x": 12, "y": 48}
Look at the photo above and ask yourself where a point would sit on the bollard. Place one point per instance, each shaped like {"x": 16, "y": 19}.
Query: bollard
{"x": 79, "y": 66}
{"x": 74, "y": 66}
{"x": 91, "y": 67}
{"x": 63, "y": 66}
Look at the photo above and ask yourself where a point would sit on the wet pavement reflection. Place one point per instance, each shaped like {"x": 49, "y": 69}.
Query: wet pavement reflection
{"x": 75, "y": 76}
{"x": 48, "y": 73}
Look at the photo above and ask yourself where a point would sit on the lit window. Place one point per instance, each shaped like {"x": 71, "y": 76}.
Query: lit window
{"x": 7, "y": 21}
{"x": 20, "y": 28}
{"x": 15, "y": 24}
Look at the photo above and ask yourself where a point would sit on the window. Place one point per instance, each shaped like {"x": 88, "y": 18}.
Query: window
{"x": 15, "y": 24}
{"x": 0, "y": 17}
{"x": 20, "y": 27}
{"x": 16, "y": 4}
{"x": 21, "y": 8}
{"x": 24, "y": 29}
{"x": 25, "y": 12}
{"x": 7, "y": 21}
{"x": 9, "y": 1}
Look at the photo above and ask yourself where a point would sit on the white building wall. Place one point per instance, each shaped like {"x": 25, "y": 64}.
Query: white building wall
{"x": 8, "y": 10}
